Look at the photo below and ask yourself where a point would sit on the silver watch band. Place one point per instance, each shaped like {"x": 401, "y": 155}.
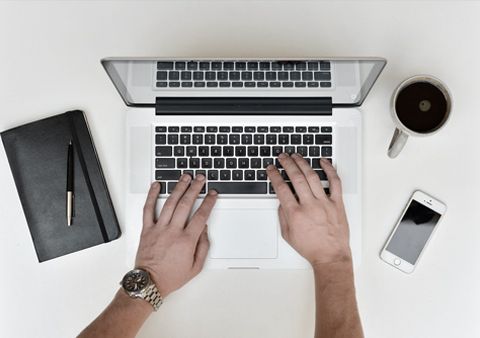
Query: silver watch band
{"x": 151, "y": 295}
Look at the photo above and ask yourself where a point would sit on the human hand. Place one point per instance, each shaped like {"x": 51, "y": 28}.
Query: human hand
{"x": 173, "y": 248}
{"x": 314, "y": 224}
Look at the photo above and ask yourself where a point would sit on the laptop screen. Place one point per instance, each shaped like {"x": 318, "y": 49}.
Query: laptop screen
{"x": 140, "y": 82}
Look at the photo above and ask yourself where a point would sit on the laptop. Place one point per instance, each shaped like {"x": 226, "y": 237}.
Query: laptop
{"x": 230, "y": 118}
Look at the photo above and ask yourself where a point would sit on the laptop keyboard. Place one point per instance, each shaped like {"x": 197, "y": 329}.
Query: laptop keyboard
{"x": 243, "y": 74}
{"x": 234, "y": 158}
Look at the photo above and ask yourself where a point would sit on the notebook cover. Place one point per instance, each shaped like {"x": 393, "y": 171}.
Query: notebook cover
{"x": 37, "y": 154}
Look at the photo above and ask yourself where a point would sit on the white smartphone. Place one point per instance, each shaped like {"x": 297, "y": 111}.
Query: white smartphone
{"x": 411, "y": 234}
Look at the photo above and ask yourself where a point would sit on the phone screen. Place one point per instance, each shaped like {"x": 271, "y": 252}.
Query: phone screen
{"x": 413, "y": 232}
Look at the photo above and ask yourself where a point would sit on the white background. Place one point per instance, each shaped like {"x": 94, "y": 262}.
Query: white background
{"x": 49, "y": 63}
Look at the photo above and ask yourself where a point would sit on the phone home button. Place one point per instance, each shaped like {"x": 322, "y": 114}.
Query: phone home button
{"x": 396, "y": 261}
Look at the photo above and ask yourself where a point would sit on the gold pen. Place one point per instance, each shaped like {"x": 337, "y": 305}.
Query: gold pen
{"x": 70, "y": 184}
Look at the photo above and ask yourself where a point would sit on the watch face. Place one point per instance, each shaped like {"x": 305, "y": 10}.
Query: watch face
{"x": 135, "y": 280}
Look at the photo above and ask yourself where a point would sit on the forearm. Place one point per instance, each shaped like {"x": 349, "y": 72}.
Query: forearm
{"x": 336, "y": 306}
{"x": 123, "y": 318}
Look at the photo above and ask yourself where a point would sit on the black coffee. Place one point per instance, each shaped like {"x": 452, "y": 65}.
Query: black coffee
{"x": 421, "y": 107}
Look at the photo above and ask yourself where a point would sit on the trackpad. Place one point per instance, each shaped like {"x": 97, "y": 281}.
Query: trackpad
{"x": 243, "y": 233}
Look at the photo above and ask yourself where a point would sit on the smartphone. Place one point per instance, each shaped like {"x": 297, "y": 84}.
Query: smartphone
{"x": 411, "y": 234}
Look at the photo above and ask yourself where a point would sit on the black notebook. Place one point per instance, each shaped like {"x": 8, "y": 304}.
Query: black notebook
{"x": 37, "y": 153}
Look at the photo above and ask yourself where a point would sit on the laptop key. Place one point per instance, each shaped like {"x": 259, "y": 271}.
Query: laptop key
{"x": 277, "y": 150}
{"x": 213, "y": 175}
{"x": 162, "y": 75}
{"x": 262, "y": 84}
{"x": 223, "y": 76}
{"x": 199, "y": 84}
{"x": 174, "y": 84}
{"x": 197, "y": 138}
{"x": 182, "y": 162}
{"x": 271, "y": 139}
{"x": 165, "y": 65}
{"x": 325, "y": 65}
{"x": 314, "y": 151}
{"x": 237, "y": 84}
{"x": 240, "y": 65}
{"x": 312, "y": 65}
{"x": 250, "y": 129}
{"x": 187, "y": 84}
{"x": 192, "y": 65}
{"x": 164, "y": 163}
{"x": 231, "y": 162}
{"x": 243, "y": 162}
{"x": 185, "y": 139}
{"x": 186, "y": 75}
{"x": 240, "y": 151}
{"x": 198, "y": 76}
{"x": 161, "y": 139}
{"x": 207, "y": 162}
{"x": 313, "y": 84}
{"x": 295, "y": 76}
{"x": 212, "y": 84}
{"x": 283, "y": 139}
{"x": 249, "y": 175}
{"x": 224, "y": 84}
{"x": 216, "y": 65}
{"x": 225, "y": 175}
{"x": 160, "y": 129}
{"x": 228, "y": 151}
{"x": 234, "y": 76}
{"x": 307, "y": 76}
{"x": 319, "y": 76}
{"x": 194, "y": 162}
{"x": 234, "y": 138}
{"x": 282, "y": 76}
{"x": 167, "y": 175}
{"x": 219, "y": 163}
{"x": 191, "y": 151}
{"x": 261, "y": 175}
{"x": 162, "y": 84}
{"x": 287, "y": 84}
{"x": 313, "y": 129}
{"x": 249, "y": 84}
{"x": 326, "y": 129}
{"x": 252, "y": 151}
{"x": 172, "y": 139}
{"x": 179, "y": 151}
{"x": 296, "y": 139}
{"x": 171, "y": 186}
{"x": 216, "y": 151}
{"x": 163, "y": 151}
{"x": 239, "y": 187}
{"x": 173, "y": 75}
{"x": 302, "y": 150}
{"x": 224, "y": 129}
{"x": 326, "y": 151}
{"x": 267, "y": 161}
{"x": 275, "y": 84}
{"x": 212, "y": 129}
{"x": 203, "y": 151}
{"x": 246, "y": 138}
{"x": 209, "y": 138}
{"x": 228, "y": 65}
{"x": 258, "y": 139}
{"x": 222, "y": 138}
{"x": 264, "y": 151}
{"x": 323, "y": 139}
{"x": 237, "y": 175}
{"x": 289, "y": 150}
{"x": 255, "y": 162}
{"x": 204, "y": 65}
{"x": 210, "y": 76}
{"x": 300, "y": 84}
{"x": 307, "y": 139}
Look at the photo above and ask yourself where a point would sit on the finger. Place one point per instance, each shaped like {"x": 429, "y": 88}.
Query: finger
{"x": 283, "y": 191}
{"x": 185, "y": 204}
{"x": 171, "y": 202}
{"x": 197, "y": 223}
{"x": 333, "y": 180}
{"x": 150, "y": 204}
{"x": 202, "y": 251}
{"x": 312, "y": 177}
{"x": 283, "y": 223}
{"x": 298, "y": 179}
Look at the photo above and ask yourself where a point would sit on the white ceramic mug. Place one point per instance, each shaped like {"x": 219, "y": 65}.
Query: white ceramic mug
{"x": 402, "y": 132}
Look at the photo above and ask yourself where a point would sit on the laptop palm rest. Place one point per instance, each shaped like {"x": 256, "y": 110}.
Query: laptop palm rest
{"x": 243, "y": 233}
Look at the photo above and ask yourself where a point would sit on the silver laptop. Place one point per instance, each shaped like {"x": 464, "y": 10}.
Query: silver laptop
{"x": 229, "y": 119}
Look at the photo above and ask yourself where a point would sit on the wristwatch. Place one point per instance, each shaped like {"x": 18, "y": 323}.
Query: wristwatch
{"x": 138, "y": 284}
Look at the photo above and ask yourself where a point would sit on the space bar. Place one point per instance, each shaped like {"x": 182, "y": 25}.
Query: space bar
{"x": 238, "y": 187}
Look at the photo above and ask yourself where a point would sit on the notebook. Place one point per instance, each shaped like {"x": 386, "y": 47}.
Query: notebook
{"x": 37, "y": 154}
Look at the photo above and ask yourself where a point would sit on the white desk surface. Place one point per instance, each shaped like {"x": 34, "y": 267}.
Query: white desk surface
{"x": 49, "y": 63}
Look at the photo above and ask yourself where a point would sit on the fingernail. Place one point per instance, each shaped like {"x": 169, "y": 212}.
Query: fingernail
{"x": 155, "y": 184}
{"x": 282, "y": 155}
{"x": 270, "y": 167}
{"x": 186, "y": 178}
{"x": 296, "y": 155}
{"x": 200, "y": 177}
{"x": 212, "y": 192}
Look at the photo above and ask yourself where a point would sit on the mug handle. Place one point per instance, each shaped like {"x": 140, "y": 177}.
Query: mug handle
{"x": 397, "y": 143}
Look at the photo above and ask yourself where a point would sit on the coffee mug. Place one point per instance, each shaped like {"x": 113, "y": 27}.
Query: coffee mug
{"x": 420, "y": 106}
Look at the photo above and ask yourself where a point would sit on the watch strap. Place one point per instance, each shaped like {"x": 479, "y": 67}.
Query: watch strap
{"x": 152, "y": 295}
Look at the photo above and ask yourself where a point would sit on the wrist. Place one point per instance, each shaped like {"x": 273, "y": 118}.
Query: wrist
{"x": 338, "y": 271}
{"x": 134, "y": 304}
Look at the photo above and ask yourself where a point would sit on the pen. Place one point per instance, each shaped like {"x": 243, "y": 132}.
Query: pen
{"x": 70, "y": 184}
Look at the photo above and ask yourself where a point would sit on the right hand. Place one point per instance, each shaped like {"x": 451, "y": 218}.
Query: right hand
{"x": 315, "y": 224}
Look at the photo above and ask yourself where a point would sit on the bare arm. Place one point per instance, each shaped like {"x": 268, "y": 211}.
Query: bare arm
{"x": 173, "y": 249}
{"x": 316, "y": 226}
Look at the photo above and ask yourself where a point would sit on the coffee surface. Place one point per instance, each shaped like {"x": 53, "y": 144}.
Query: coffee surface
{"x": 421, "y": 107}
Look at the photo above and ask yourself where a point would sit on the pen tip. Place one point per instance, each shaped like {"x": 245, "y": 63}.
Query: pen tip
{"x": 70, "y": 142}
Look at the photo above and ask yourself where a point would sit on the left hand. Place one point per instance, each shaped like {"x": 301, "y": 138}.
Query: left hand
{"x": 174, "y": 246}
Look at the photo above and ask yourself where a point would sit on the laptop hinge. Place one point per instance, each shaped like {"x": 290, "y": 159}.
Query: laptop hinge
{"x": 243, "y": 105}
